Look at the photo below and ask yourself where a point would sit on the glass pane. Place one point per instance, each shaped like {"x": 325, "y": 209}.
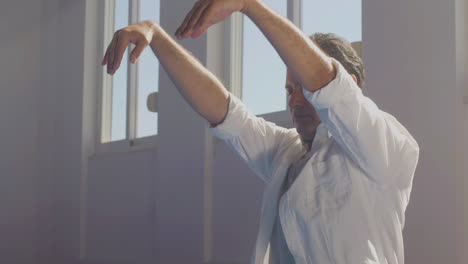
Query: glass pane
{"x": 264, "y": 73}
{"x": 148, "y": 75}
{"x": 119, "y": 87}
{"x": 342, "y": 17}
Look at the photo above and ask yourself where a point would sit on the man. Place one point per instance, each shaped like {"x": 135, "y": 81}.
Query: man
{"x": 337, "y": 185}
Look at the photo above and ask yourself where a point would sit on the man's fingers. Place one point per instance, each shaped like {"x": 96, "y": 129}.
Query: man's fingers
{"x": 187, "y": 19}
{"x": 202, "y": 24}
{"x": 199, "y": 31}
{"x": 184, "y": 24}
{"x": 120, "y": 48}
{"x": 104, "y": 61}
{"x": 106, "y": 55}
{"x": 111, "y": 54}
{"x": 136, "y": 52}
{"x": 195, "y": 19}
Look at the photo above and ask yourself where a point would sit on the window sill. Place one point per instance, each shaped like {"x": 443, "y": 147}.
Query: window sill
{"x": 281, "y": 118}
{"x": 125, "y": 146}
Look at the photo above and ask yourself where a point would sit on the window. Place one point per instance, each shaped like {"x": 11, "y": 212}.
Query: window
{"x": 125, "y": 118}
{"x": 342, "y": 17}
{"x": 263, "y": 73}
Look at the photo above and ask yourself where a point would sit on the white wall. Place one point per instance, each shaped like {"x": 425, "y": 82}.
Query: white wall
{"x": 147, "y": 207}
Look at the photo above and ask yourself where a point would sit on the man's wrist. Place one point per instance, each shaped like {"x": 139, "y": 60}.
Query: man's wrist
{"x": 249, "y": 6}
{"x": 155, "y": 30}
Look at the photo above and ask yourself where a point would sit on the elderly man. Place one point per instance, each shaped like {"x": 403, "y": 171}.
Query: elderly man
{"x": 338, "y": 184}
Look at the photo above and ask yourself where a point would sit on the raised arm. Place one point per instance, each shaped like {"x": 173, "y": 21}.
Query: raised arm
{"x": 200, "y": 88}
{"x": 303, "y": 58}
{"x": 254, "y": 139}
{"x": 374, "y": 139}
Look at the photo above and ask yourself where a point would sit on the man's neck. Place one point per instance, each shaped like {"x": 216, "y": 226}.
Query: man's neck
{"x": 307, "y": 143}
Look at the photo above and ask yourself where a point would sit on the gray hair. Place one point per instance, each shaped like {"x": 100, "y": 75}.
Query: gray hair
{"x": 341, "y": 50}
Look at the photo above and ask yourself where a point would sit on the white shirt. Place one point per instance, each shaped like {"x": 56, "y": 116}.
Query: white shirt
{"x": 279, "y": 250}
{"x": 347, "y": 205}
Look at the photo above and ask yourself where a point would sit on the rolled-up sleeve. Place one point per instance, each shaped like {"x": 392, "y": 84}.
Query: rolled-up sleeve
{"x": 373, "y": 138}
{"x": 253, "y": 138}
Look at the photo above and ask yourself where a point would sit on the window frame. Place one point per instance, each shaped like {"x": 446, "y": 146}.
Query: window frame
{"x": 103, "y": 140}
{"x": 294, "y": 14}
{"x": 293, "y": 11}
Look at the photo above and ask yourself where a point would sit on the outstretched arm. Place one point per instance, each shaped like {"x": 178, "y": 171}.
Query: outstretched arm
{"x": 303, "y": 58}
{"x": 254, "y": 139}
{"x": 200, "y": 88}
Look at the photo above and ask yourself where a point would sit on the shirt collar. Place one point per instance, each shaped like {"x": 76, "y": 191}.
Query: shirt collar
{"x": 322, "y": 133}
{"x": 321, "y": 136}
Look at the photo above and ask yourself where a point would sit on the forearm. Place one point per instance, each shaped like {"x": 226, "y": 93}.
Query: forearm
{"x": 302, "y": 57}
{"x": 199, "y": 87}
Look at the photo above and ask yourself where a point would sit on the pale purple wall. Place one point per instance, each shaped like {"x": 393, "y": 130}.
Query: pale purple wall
{"x": 21, "y": 186}
{"x": 409, "y": 51}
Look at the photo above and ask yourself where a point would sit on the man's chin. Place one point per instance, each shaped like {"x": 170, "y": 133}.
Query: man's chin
{"x": 306, "y": 132}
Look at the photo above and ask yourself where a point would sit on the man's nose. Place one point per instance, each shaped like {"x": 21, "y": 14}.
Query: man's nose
{"x": 297, "y": 98}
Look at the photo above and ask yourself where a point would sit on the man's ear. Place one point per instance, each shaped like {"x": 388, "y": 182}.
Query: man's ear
{"x": 354, "y": 77}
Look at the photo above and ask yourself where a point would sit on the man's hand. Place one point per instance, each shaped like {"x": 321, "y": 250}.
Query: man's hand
{"x": 206, "y": 13}
{"x": 199, "y": 87}
{"x": 140, "y": 34}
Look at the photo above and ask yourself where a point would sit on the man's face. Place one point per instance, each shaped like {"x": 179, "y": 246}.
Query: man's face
{"x": 303, "y": 114}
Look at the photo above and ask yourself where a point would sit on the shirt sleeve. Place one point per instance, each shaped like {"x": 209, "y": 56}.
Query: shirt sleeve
{"x": 374, "y": 139}
{"x": 254, "y": 139}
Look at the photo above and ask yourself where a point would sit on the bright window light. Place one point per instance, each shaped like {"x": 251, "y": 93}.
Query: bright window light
{"x": 148, "y": 76}
{"x": 264, "y": 73}
{"x": 119, "y": 87}
{"x": 342, "y": 17}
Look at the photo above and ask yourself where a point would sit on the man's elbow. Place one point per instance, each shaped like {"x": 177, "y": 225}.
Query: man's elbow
{"x": 322, "y": 77}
